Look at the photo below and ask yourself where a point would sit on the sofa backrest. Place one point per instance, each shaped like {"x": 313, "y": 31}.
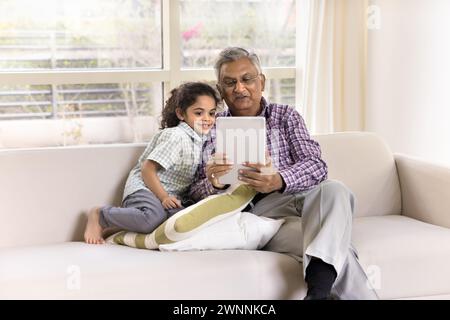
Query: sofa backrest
{"x": 45, "y": 193}
{"x": 363, "y": 162}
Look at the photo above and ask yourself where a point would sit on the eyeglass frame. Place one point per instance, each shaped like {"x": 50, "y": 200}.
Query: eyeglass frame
{"x": 245, "y": 82}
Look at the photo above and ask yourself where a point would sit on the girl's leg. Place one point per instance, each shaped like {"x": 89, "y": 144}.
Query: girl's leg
{"x": 141, "y": 212}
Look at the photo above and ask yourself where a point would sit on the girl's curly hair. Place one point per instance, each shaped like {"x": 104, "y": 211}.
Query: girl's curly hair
{"x": 183, "y": 97}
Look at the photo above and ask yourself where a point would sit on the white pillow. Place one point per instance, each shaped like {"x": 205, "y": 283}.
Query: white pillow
{"x": 188, "y": 222}
{"x": 242, "y": 230}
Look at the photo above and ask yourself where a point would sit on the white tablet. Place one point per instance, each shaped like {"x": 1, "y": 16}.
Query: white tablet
{"x": 241, "y": 139}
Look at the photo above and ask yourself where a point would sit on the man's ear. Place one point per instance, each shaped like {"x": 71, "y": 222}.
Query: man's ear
{"x": 263, "y": 81}
{"x": 219, "y": 88}
{"x": 179, "y": 114}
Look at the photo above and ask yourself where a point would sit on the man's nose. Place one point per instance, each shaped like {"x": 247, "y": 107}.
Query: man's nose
{"x": 239, "y": 87}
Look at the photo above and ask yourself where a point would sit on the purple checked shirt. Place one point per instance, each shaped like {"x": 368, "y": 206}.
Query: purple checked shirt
{"x": 294, "y": 154}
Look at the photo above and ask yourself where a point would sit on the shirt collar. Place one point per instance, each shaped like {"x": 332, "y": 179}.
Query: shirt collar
{"x": 263, "y": 104}
{"x": 200, "y": 138}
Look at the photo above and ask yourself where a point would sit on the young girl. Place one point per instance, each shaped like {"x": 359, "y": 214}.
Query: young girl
{"x": 156, "y": 185}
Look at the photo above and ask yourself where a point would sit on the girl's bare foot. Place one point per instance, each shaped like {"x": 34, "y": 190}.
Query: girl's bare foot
{"x": 93, "y": 232}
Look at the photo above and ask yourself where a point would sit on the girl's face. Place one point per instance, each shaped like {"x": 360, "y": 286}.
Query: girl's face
{"x": 201, "y": 115}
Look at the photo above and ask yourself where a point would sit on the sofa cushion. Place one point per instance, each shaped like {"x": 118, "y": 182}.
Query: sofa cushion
{"x": 402, "y": 256}
{"x": 364, "y": 163}
{"x": 76, "y": 270}
{"x": 240, "y": 230}
{"x": 190, "y": 221}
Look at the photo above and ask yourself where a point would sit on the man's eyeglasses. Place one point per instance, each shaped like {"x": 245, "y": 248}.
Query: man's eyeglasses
{"x": 246, "y": 80}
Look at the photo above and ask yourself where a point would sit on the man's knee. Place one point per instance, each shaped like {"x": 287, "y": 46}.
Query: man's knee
{"x": 337, "y": 192}
{"x": 335, "y": 189}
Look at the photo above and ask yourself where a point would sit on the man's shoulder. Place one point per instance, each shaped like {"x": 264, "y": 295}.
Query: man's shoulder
{"x": 280, "y": 108}
{"x": 280, "y": 112}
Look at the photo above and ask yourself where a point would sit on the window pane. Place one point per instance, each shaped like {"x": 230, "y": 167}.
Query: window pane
{"x": 265, "y": 26}
{"x": 81, "y": 100}
{"x": 80, "y": 34}
{"x": 38, "y": 116}
{"x": 281, "y": 91}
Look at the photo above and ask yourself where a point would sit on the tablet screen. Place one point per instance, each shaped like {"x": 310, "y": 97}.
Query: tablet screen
{"x": 241, "y": 139}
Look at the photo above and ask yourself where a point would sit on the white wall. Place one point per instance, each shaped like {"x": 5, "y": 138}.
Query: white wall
{"x": 409, "y": 77}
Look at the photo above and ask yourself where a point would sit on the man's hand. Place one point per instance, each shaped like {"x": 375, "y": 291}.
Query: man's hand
{"x": 171, "y": 202}
{"x": 264, "y": 178}
{"x": 216, "y": 167}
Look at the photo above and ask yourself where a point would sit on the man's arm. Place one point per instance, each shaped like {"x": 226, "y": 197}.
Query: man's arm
{"x": 308, "y": 169}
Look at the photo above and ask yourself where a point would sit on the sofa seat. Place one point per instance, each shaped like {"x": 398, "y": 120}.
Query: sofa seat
{"x": 406, "y": 257}
{"x": 75, "y": 270}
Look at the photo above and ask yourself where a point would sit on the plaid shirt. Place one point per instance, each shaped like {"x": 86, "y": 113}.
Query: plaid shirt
{"x": 178, "y": 150}
{"x": 295, "y": 155}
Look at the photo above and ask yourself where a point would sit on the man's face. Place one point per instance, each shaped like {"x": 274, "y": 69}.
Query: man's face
{"x": 241, "y": 86}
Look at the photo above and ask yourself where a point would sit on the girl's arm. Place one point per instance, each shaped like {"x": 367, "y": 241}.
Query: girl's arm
{"x": 151, "y": 180}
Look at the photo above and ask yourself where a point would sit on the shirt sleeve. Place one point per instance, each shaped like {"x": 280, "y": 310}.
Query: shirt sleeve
{"x": 308, "y": 169}
{"x": 168, "y": 150}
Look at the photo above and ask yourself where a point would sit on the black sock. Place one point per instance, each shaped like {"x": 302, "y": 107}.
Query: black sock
{"x": 320, "y": 277}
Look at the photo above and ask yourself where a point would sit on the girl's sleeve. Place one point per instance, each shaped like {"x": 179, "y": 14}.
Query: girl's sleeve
{"x": 167, "y": 151}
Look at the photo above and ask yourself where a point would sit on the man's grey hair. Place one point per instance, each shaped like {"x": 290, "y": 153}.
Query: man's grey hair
{"x": 231, "y": 54}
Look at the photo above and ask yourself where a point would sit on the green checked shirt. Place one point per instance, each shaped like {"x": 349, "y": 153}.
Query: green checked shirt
{"x": 178, "y": 151}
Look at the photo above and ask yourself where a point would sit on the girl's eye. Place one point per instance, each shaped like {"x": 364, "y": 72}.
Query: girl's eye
{"x": 198, "y": 113}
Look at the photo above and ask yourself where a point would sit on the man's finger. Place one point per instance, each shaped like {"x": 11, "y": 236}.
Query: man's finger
{"x": 268, "y": 158}
{"x": 221, "y": 158}
{"x": 222, "y": 167}
{"x": 251, "y": 181}
{"x": 252, "y": 165}
{"x": 222, "y": 171}
{"x": 250, "y": 174}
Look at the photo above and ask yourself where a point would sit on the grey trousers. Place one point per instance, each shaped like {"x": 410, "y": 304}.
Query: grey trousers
{"x": 141, "y": 212}
{"x": 318, "y": 223}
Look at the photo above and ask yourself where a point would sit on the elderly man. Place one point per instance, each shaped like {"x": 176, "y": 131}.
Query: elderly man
{"x": 318, "y": 212}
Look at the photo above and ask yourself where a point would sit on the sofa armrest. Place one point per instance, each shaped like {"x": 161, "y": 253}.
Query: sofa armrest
{"x": 425, "y": 189}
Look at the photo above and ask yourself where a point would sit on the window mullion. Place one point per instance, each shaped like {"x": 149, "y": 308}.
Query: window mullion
{"x": 172, "y": 44}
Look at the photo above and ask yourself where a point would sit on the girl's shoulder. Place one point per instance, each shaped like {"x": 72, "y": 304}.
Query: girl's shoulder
{"x": 168, "y": 135}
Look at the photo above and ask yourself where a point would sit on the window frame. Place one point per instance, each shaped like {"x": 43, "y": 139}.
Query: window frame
{"x": 170, "y": 75}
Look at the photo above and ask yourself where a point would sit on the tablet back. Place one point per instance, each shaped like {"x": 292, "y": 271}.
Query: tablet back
{"x": 241, "y": 139}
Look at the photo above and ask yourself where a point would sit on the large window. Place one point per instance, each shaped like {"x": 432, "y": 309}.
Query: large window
{"x": 266, "y": 26}
{"x": 98, "y": 71}
{"x": 82, "y": 34}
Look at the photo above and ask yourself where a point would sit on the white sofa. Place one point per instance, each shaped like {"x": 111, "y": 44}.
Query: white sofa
{"x": 400, "y": 230}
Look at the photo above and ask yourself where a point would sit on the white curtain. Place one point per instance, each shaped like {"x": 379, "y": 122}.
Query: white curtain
{"x": 331, "y": 59}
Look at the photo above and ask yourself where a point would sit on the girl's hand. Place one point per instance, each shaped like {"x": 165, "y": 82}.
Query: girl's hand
{"x": 171, "y": 202}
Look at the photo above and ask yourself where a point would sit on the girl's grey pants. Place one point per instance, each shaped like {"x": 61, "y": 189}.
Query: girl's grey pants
{"x": 141, "y": 212}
